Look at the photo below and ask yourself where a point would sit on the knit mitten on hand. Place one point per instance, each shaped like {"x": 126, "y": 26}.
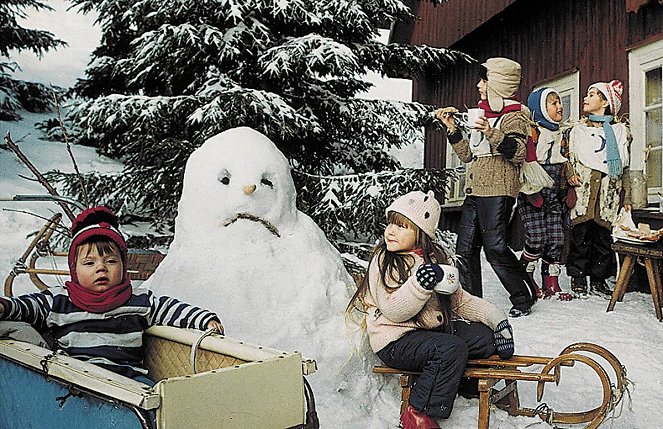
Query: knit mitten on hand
{"x": 504, "y": 339}
{"x": 428, "y": 275}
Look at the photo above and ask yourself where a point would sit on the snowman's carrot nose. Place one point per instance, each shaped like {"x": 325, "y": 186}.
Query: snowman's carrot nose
{"x": 249, "y": 189}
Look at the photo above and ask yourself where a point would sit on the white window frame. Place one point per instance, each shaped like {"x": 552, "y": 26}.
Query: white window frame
{"x": 456, "y": 194}
{"x": 642, "y": 60}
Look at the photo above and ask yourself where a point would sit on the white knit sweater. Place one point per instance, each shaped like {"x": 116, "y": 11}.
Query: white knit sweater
{"x": 391, "y": 310}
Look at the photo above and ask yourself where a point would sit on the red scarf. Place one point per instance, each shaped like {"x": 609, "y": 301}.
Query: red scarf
{"x": 99, "y": 302}
{"x": 509, "y": 106}
{"x": 418, "y": 251}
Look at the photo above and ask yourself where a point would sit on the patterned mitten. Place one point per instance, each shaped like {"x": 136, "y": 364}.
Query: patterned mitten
{"x": 428, "y": 275}
{"x": 504, "y": 339}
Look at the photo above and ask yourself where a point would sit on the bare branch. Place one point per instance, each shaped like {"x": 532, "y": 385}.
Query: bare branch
{"x": 40, "y": 177}
{"x": 32, "y": 179}
{"x": 81, "y": 181}
{"x": 60, "y": 228}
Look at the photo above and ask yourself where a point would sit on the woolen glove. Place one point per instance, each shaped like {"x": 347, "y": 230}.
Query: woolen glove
{"x": 428, "y": 275}
{"x": 504, "y": 339}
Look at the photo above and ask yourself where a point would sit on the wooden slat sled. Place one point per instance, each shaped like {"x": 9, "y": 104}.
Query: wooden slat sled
{"x": 492, "y": 370}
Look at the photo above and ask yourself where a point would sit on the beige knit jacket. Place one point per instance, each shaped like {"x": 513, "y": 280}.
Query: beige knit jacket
{"x": 391, "y": 308}
{"x": 493, "y": 176}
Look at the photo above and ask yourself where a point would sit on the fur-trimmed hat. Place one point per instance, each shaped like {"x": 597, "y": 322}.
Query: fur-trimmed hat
{"x": 421, "y": 208}
{"x": 503, "y": 81}
{"x": 612, "y": 91}
{"x": 96, "y": 222}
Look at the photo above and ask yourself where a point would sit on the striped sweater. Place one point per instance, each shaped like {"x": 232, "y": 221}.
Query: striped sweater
{"x": 112, "y": 340}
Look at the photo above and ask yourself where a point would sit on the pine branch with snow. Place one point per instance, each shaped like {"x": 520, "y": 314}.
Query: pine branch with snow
{"x": 184, "y": 71}
{"x": 16, "y": 94}
{"x": 351, "y": 207}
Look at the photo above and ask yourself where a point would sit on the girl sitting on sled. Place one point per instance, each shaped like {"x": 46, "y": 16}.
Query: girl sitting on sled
{"x": 417, "y": 316}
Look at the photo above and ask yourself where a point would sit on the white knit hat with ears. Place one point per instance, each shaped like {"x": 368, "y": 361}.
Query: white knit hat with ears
{"x": 421, "y": 208}
{"x": 612, "y": 91}
{"x": 503, "y": 81}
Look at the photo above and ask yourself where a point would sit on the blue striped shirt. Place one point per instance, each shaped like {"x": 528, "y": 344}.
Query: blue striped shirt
{"x": 114, "y": 339}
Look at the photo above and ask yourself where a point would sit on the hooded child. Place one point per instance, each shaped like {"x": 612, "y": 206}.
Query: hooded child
{"x": 543, "y": 217}
{"x": 495, "y": 151}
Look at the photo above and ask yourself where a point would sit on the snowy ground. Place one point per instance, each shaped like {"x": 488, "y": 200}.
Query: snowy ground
{"x": 631, "y": 332}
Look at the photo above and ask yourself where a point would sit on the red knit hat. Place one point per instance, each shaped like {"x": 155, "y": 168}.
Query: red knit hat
{"x": 96, "y": 222}
{"x": 613, "y": 92}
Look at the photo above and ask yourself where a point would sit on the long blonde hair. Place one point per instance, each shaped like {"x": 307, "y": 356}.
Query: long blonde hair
{"x": 398, "y": 265}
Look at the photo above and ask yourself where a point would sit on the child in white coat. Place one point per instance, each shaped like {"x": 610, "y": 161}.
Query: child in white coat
{"x": 599, "y": 155}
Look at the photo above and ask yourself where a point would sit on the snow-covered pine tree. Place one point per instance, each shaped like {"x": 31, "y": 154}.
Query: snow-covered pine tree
{"x": 183, "y": 71}
{"x": 16, "y": 94}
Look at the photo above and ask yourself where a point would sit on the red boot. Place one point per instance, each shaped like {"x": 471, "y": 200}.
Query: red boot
{"x": 552, "y": 286}
{"x": 413, "y": 419}
{"x": 549, "y": 274}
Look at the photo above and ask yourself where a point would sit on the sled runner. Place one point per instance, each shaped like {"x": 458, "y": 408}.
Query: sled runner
{"x": 492, "y": 370}
{"x": 202, "y": 381}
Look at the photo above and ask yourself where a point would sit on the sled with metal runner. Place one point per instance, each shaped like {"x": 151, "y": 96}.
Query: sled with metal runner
{"x": 542, "y": 370}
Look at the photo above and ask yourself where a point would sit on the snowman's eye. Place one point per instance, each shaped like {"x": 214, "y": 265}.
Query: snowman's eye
{"x": 224, "y": 177}
{"x": 267, "y": 182}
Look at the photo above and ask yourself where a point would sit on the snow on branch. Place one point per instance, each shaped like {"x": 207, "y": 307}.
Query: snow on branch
{"x": 309, "y": 54}
{"x": 351, "y": 207}
{"x": 407, "y": 62}
{"x": 255, "y": 108}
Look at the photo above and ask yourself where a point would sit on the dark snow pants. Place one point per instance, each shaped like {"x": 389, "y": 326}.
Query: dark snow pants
{"x": 590, "y": 253}
{"x": 441, "y": 358}
{"x": 483, "y": 222}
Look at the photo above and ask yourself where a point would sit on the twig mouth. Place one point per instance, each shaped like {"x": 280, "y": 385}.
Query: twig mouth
{"x": 270, "y": 226}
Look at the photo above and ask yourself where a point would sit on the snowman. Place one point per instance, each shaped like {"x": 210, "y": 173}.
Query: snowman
{"x": 243, "y": 250}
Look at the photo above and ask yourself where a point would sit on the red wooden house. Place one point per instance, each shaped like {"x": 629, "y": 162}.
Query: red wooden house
{"x": 564, "y": 44}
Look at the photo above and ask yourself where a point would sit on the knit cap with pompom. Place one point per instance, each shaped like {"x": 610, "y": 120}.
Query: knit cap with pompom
{"x": 613, "y": 92}
{"x": 96, "y": 222}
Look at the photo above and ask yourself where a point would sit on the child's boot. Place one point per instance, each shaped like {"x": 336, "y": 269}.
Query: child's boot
{"x": 530, "y": 267}
{"x": 579, "y": 287}
{"x": 600, "y": 288}
{"x": 413, "y": 419}
{"x": 550, "y": 276}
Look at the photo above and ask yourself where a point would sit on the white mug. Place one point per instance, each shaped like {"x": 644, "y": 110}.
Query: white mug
{"x": 450, "y": 281}
{"x": 473, "y": 116}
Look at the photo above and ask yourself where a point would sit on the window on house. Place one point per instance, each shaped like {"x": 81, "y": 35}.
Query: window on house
{"x": 652, "y": 111}
{"x": 646, "y": 115}
{"x": 456, "y": 193}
